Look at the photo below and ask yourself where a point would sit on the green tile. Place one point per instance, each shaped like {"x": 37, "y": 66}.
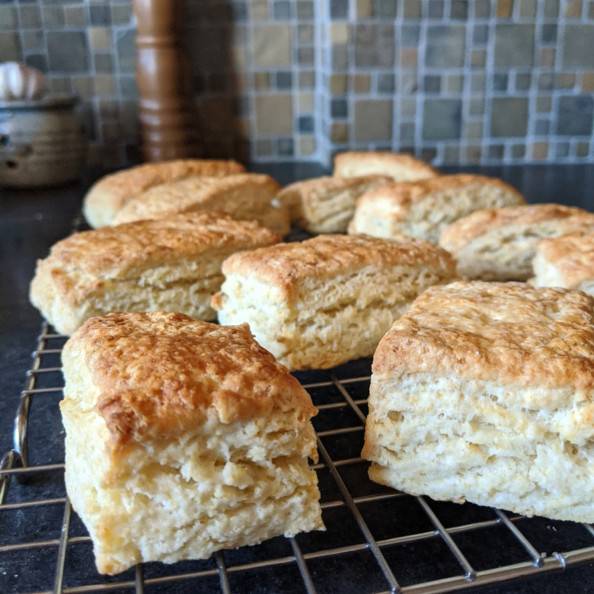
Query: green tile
{"x": 445, "y": 46}
{"x": 442, "y": 119}
{"x": 509, "y": 117}
{"x": 514, "y": 45}
{"x": 67, "y": 51}
{"x": 373, "y": 120}
{"x": 374, "y": 45}
{"x": 10, "y": 47}
{"x": 579, "y": 46}
{"x": 575, "y": 115}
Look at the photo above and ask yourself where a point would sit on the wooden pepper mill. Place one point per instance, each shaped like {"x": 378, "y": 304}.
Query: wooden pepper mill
{"x": 162, "y": 73}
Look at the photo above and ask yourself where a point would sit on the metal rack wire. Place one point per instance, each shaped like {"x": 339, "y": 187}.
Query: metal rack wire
{"x": 378, "y": 540}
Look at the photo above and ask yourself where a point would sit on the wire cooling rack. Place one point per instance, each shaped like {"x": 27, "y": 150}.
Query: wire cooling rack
{"x": 377, "y": 539}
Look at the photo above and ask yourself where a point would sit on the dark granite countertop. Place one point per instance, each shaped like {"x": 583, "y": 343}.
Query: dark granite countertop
{"x": 30, "y": 221}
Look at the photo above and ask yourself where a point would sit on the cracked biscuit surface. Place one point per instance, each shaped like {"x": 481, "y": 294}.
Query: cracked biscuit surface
{"x": 324, "y": 301}
{"x": 485, "y": 392}
{"x": 108, "y": 195}
{"x": 200, "y": 440}
{"x": 168, "y": 264}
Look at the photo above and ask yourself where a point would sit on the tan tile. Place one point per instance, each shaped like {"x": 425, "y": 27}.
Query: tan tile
{"x": 505, "y": 8}
{"x": 408, "y": 108}
{"x": 339, "y": 132}
{"x": 582, "y": 149}
{"x": 543, "y": 104}
{"x": 59, "y": 84}
{"x": 259, "y": 10}
{"x": 261, "y": 81}
{"x": 339, "y": 33}
{"x": 412, "y": 9}
{"x": 472, "y": 154}
{"x": 361, "y": 83}
{"x": 478, "y": 58}
{"x": 338, "y": 84}
{"x": 540, "y": 150}
{"x": 306, "y": 102}
{"x": 307, "y": 79}
{"x": 83, "y": 86}
{"x": 104, "y": 85}
{"x": 271, "y": 45}
{"x": 373, "y": 120}
{"x": 565, "y": 81}
{"x": 100, "y": 38}
{"x": 547, "y": 56}
{"x": 454, "y": 83}
{"x": 573, "y": 9}
{"x": 528, "y": 8}
{"x": 274, "y": 114}
{"x": 364, "y": 8}
{"x": 408, "y": 57}
{"x": 307, "y": 145}
{"x": 587, "y": 81}
{"x": 473, "y": 130}
{"x": 75, "y": 16}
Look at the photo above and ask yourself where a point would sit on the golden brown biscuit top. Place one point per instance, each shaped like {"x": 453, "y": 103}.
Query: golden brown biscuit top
{"x": 509, "y": 333}
{"x": 120, "y": 252}
{"x": 134, "y": 180}
{"x": 327, "y": 183}
{"x": 192, "y": 192}
{"x": 466, "y": 229}
{"x": 386, "y": 158}
{"x": 402, "y": 195}
{"x": 572, "y": 255}
{"x": 159, "y": 374}
{"x": 289, "y": 264}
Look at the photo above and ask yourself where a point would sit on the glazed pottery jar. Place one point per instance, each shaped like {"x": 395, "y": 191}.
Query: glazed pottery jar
{"x": 42, "y": 142}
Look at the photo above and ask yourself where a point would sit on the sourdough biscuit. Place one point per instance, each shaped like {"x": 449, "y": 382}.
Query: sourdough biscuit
{"x": 565, "y": 262}
{"x": 485, "y": 392}
{"x": 169, "y": 265}
{"x": 329, "y": 299}
{"x": 327, "y": 204}
{"x": 500, "y": 243}
{"x": 111, "y": 192}
{"x": 246, "y": 196}
{"x": 398, "y": 166}
{"x": 200, "y": 440}
{"x": 424, "y": 208}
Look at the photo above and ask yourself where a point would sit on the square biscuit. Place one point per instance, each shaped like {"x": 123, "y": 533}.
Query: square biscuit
{"x": 329, "y": 299}
{"x": 566, "y": 261}
{"x": 398, "y": 166}
{"x": 169, "y": 264}
{"x": 422, "y": 209}
{"x": 484, "y": 392}
{"x": 113, "y": 191}
{"x": 500, "y": 243}
{"x": 245, "y": 196}
{"x": 183, "y": 438}
{"x": 326, "y": 204}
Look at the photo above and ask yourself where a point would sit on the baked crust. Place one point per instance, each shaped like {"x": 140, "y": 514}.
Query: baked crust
{"x": 326, "y": 256}
{"x": 402, "y": 195}
{"x": 570, "y": 256}
{"x": 464, "y": 230}
{"x": 157, "y": 375}
{"x": 399, "y": 166}
{"x": 111, "y": 192}
{"x": 199, "y": 193}
{"x": 80, "y": 264}
{"x": 509, "y": 333}
{"x": 327, "y": 204}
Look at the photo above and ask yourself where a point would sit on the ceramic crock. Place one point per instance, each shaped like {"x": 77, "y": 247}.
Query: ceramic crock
{"x": 42, "y": 142}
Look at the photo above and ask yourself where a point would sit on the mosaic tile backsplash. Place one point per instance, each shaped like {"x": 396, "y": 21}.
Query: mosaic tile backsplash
{"x": 454, "y": 81}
